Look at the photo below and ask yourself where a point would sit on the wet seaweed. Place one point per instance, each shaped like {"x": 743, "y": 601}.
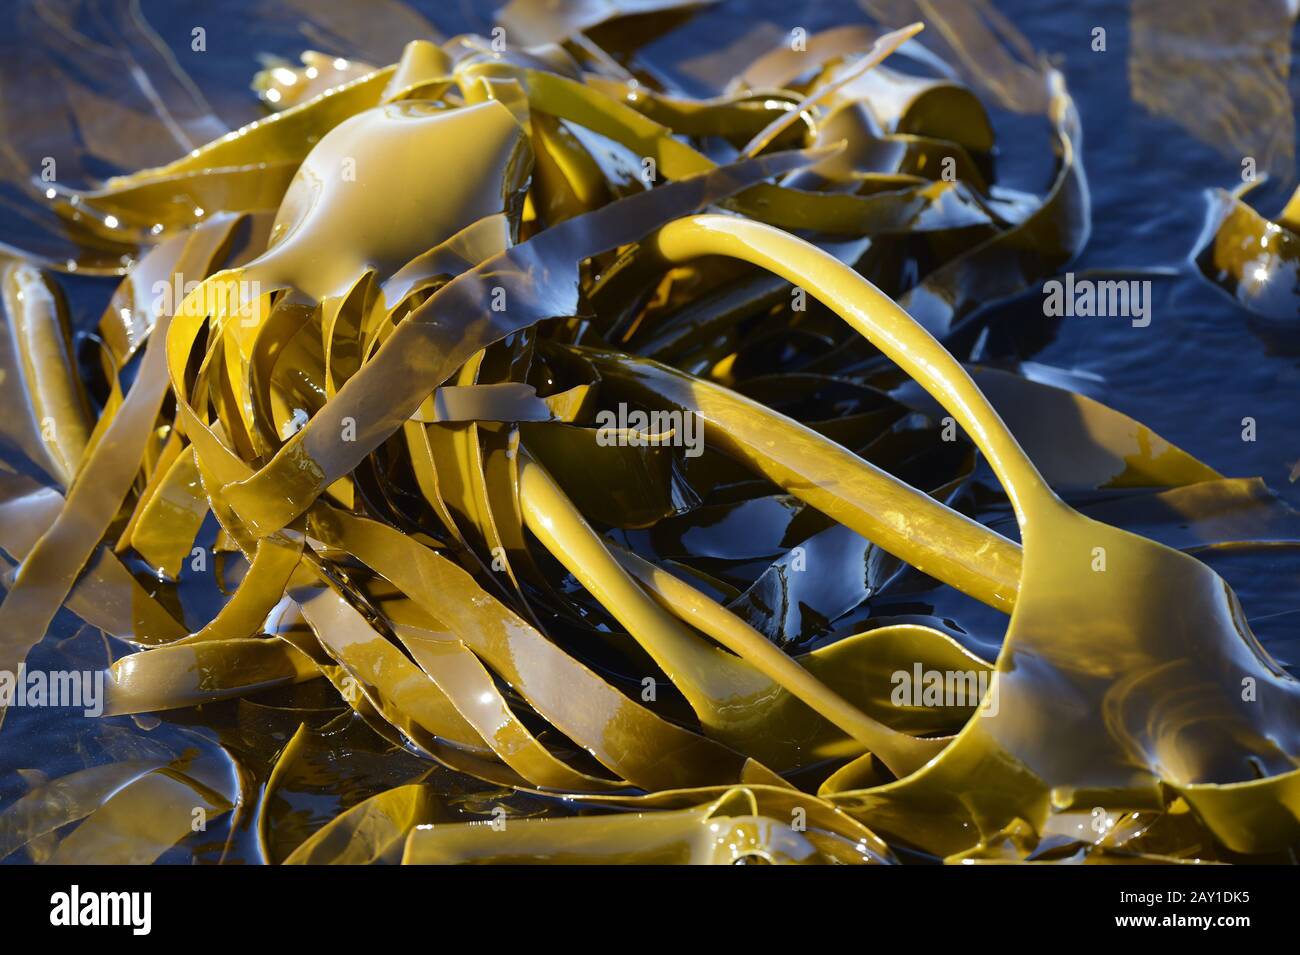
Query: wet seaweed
{"x": 555, "y": 499}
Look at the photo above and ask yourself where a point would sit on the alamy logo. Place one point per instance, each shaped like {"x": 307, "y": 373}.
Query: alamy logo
{"x": 1109, "y": 298}
{"x": 213, "y": 297}
{"x": 920, "y": 687}
{"x": 74, "y": 689}
{"x": 640, "y": 429}
{"x": 74, "y": 907}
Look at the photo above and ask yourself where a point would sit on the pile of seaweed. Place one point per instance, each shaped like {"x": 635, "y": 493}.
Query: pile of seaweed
{"x": 503, "y": 455}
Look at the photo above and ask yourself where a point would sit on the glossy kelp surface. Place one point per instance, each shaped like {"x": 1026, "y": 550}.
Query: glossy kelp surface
{"x": 582, "y": 494}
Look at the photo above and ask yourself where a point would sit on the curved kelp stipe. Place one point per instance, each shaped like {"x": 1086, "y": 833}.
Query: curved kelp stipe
{"x": 568, "y": 694}
{"x": 909, "y": 524}
{"x": 1153, "y": 675}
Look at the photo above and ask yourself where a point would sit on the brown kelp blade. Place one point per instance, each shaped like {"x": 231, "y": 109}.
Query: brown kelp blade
{"x": 426, "y": 348}
{"x": 1143, "y": 616}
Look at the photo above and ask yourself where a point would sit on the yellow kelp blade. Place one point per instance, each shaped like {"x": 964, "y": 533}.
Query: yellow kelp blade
{"x": 331, "y": 765}
{"x": 427, "y": 348}
{"x": 905, "y": 210}
{"x": 728, "y": 831}
{"x": 1056, "y": 229}
{"x": 629, "y": 738}
{"x": 106, "y": 595}
{"x": 909, "y": 524}
{"x": 1150, "y": 658}
{"x": 374, "y": 831}
{"x": 280, "y": 85}
{"x": 901, "y": 753}
{"x": 65, "y": 800}
{"x": 1075, "y": 441}
{"x": 753, "y": 699}
{"x": 49, "y": 417}
{"x": 242, "y": 171}
{"x": 187, "y": 674}
{"x": 469, "y": 685}
{"x": 105, "y": 477}
{"x": 141, "y": 822}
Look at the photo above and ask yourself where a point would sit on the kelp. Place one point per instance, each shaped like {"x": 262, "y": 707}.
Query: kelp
{"x": 51, "y": 423}
{"x": 909, "y": 524}
{"x": 1253, "y": 259}
{"x": 731, "y": 830}
{"x": 502, "y": 479}
{"x": 1212, "y": 655}
{"x": 129, "y": 803}
{"x": 105, "y": 475}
